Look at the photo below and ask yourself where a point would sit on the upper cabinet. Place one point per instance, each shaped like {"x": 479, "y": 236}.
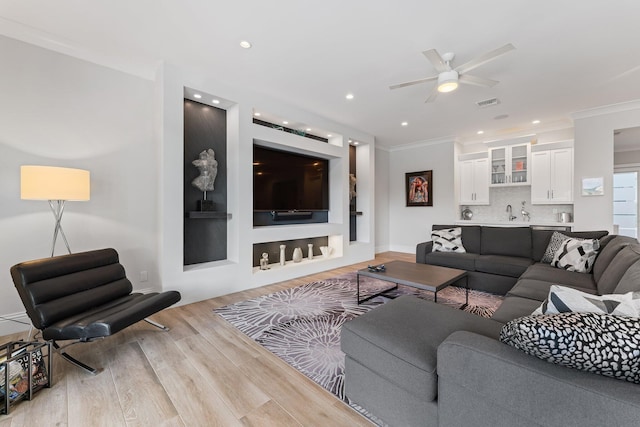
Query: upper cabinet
{"x": 474, "y": 181}
{"x": 552, "y": 176}
{"x": 510, "y": 165}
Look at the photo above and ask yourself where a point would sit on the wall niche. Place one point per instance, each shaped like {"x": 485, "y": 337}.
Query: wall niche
{"x": 205, "y": 232}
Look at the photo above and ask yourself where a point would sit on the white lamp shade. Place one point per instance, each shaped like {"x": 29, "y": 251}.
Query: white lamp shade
{"x": 53, "y": 183}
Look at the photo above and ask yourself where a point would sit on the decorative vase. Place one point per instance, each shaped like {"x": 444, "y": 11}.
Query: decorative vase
{"x": 264, "y": 261}
{"x": 310, "y": 246}
{"x": 297, "y": 255}
{"x": 282, "y": 254}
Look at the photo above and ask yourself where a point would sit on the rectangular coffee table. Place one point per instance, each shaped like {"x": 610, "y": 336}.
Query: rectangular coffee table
{"x": 422, "y": 276}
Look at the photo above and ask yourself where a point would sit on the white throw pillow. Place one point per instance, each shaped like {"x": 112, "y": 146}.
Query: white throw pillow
{"x": 566, "y": 300}
{"x": 576, "y": 255}
{"x": 447, "y": 240}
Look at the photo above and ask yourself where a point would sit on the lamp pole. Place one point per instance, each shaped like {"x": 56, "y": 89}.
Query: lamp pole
{"x": 57, "y": 207}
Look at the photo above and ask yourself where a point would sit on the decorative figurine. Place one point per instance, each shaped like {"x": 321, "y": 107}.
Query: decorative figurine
{"x": 310, "y": 246}
{"x": 264, "y": 261}
{"x": 525, "y": 215}
{"x": 297, "y": 255}
{"x": 352, "y": 186}
{"x": 282, "y": 247}
{"x": 208, "y": 167}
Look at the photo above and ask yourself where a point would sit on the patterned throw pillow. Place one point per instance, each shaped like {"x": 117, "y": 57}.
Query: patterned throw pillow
{"x": 576, "y": 255}
{"x": 447, "y": 240}
{"x": 553, "y": 246}
{"x": 599, "y": 343}
{"x": 566, "y": 300}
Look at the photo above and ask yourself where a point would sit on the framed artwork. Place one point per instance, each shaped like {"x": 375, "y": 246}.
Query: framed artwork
{"x": 593, "y": 186}
{"x": 419, "y": 188}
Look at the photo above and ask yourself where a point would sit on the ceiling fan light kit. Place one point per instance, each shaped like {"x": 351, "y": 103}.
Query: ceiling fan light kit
{"x": 448, "y": 81}
{"x": 448, "y": 77}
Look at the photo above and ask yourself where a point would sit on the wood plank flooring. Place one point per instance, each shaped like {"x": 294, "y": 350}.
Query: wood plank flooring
{"x": 203, "y": 372}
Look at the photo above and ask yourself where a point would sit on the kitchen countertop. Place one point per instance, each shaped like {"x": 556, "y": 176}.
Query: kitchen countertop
{"x": 506, "y": 223}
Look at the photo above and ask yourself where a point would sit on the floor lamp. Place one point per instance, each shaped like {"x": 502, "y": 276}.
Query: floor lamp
{"x": 57, "y": 185}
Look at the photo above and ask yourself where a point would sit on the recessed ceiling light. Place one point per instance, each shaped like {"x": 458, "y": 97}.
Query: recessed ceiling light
{"x": 329, "y": 136}
{"x": 256, "y": 114}
{"x": 197, "y": 95}
{"x": 350, "y": 141}
{"x": 480, "y": 132}
{"x": 216, "y": 101}
{"x": 535, "y": 122}
{"x": 349, "y": 96}
{"x": 284, "y": 122}
{"x": 404, "y": 124}
{"x": 245, "y": 44}
{"x": 355, "y": 143}
{"x": 308, "y": 129}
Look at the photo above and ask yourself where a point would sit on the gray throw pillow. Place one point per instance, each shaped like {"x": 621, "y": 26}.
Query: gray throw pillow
{"x": 562, "y": 299}
{"x": 600, "y": 343}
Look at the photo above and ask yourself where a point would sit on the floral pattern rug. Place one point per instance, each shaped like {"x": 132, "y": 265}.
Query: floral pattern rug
{"x": 302, "y": 325}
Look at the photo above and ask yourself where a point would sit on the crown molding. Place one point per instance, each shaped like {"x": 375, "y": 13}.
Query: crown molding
{"x": 606, "y": 109}
{"x": 24, "y": 33}
{"x": 424, "y": 143}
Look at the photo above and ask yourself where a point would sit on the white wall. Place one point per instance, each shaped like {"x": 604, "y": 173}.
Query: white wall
{"x": 382, "y": 201}
{"x": 409, "y": 226}
{"x": 60, "y": 111}
{"x": 626, "y": 158}
{"x": 593, "y": 157}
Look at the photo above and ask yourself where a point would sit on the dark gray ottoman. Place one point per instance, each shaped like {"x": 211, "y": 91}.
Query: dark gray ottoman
{"x": 391, "y": 354}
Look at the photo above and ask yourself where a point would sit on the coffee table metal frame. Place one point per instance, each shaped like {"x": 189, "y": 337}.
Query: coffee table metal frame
{"x": 421, "y": 276}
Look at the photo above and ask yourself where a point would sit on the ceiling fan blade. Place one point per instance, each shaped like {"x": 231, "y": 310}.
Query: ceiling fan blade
{"x": 438, "y": 63}
{"x": 414, "y": 82}
{"x": 483, "y": 59}
{"x": 434, "y": 94}
{"x": 477, "y": 81}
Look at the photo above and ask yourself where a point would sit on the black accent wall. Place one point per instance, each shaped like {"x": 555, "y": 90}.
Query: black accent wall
{"x": 205, "y": 239}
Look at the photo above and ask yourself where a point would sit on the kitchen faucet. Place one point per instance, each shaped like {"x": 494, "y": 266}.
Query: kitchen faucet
{"x": 511, "y": 216}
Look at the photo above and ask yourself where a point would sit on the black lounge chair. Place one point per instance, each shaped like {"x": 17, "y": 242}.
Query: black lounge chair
{"x": 83, "y": 297}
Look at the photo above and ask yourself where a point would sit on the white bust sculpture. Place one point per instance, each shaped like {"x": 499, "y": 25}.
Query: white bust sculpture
{"x": 208, "y": 166}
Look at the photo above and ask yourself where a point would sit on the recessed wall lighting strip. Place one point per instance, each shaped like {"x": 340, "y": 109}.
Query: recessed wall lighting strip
{"x": 289, "y": 130}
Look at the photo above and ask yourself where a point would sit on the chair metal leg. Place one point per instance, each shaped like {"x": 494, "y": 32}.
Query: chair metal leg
{"x": 156, "y": 324}
{"x": 73, "y": 360}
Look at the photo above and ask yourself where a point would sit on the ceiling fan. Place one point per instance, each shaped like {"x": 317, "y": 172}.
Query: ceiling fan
{"x": 448, "y": 77}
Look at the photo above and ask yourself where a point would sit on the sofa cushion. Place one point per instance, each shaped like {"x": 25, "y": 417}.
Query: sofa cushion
{"x": 470, "y": 236}
{"x": 547, "y": 273}
{"x": 537, "y": 289}
{"x": 576, "y": 255}
{"x": 399, "y": 340}
{"x": 464, "y": 261}
{"x": 513, "y": 307}
{"x": 630, "y": 281}
{"x": 540, "y": 239}
{"x": 608, "y": 252}
{"x": 510, "y": 241}
{"x": 447, "y": 240}
{"x": 617, "y": 268}
{"x": 600, "y": 343}
{"x": 564, "y": 300}
{"x": 502, "y": 265}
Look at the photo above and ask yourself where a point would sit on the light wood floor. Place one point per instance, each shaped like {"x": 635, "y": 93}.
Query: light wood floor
{"x": 203, "y": 372}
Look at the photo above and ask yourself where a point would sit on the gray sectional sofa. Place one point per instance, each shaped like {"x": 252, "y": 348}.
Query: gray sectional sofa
{"x": 412, "y": 362}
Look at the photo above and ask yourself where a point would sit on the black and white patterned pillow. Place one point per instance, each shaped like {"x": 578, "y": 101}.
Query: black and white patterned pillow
{"x": 562, "y": 299}
{"x": 447, "y": 240}
{"x": 553, "y": 246}
{"x": 600, "y": 343}
{"x": 576, "y": 255}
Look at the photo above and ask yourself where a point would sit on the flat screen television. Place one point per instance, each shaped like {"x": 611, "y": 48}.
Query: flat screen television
{"x": 286, "y": 181}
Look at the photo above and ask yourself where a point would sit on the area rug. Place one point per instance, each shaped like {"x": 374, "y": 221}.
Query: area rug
{"x": 302, "y": 325}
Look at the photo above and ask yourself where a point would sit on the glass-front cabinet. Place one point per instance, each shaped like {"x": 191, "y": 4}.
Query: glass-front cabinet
{"x": 510, "y": 165}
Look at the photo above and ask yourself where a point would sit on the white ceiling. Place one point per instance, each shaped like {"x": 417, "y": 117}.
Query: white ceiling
{"x": 570, "y": 55}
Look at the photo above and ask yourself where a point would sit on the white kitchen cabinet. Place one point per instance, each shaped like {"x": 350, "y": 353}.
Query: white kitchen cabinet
{"x": 510, "y": 165}
{"x": 552, "y": 177}
{"x": 474, "y": 182}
